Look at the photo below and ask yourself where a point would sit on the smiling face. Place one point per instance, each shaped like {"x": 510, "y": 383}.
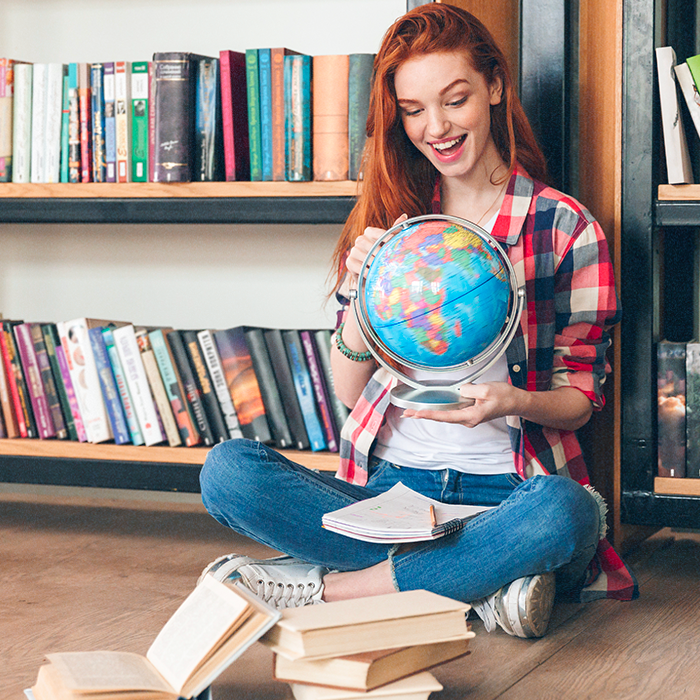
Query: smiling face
{"x": 445, "y": 107}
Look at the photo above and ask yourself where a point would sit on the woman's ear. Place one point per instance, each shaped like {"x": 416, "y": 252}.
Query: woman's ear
{"x": 496, "y": 91}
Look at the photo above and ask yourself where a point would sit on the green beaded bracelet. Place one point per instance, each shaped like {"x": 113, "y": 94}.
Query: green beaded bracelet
{"x": 345, "y": 350}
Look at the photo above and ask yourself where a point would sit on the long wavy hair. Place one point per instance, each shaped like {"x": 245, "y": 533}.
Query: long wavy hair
{"x": 397, "y": 178}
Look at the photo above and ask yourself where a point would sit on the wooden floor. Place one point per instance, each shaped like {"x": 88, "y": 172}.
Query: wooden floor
{"x": 87, "y": 574}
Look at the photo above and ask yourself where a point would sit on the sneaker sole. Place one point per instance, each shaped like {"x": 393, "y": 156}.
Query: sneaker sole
{"x": 528, "y": 611}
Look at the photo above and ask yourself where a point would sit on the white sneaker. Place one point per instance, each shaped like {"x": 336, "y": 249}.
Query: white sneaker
{"x": 285, "y": 585}
{"x": 522, "y": 608}
{"x": 225, "y": 568}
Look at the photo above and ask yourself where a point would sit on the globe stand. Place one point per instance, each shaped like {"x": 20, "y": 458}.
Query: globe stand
{"x": 437, "y": 393}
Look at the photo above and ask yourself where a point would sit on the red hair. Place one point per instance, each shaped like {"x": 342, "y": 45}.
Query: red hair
{"x": 397, "y": 178}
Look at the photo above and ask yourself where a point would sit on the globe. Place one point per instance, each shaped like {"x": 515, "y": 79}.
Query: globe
{"x": 438, "y": 294}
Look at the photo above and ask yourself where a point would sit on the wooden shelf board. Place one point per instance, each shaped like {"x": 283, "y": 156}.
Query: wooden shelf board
{"x": 145, "y": 190}
{"x": 679, "y": 193}
{"x": 66, "y": 449}
{"x": 677, "y": 487}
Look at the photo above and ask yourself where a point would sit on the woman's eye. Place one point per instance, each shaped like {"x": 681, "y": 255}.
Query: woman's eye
{"x": 458, "y": 102}
{"x": 411, "y": 112}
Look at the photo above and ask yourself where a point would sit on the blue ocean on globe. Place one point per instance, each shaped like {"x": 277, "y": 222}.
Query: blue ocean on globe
{"x": 437, "y": 294}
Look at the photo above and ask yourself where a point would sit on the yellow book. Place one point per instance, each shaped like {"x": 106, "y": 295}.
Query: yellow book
{"x": 417, "y": 687}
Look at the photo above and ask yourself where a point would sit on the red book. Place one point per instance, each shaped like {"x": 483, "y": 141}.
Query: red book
{"x": 84, "y": 102}
{"x": 7, "y": 347}
{"x": 234, "y": 113}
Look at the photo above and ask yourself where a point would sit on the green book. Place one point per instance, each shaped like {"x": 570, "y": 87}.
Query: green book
{"x": 139, "y": 121}
{"x": 254, "y": 125}
{"x": 694, "y": 65}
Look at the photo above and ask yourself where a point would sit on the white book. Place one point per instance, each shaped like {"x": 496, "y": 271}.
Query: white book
{"x": 416, "y": 687}
{"x": 38, "y": 143}
{"x": 22, "y": 123}
{"x": 82, "y": 368}
{"x": 122, "y": 94}
{"x": 690, "y": 92}
{"x": 216, "y": 372}
{"x": 678, "y": 164}
{"x": 52, "y": 130}
{"x": 137, "y": 381}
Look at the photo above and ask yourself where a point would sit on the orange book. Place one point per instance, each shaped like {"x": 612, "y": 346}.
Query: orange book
{"x": 330, "y": 117}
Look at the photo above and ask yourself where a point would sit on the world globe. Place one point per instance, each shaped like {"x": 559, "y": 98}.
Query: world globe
{"x": 438, "y": 294}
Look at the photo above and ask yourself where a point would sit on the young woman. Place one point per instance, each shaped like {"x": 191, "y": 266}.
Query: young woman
{"x": 447, "y": 134}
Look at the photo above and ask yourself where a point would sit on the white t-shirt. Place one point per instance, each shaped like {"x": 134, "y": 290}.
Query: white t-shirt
{"x": 426, "y": 444}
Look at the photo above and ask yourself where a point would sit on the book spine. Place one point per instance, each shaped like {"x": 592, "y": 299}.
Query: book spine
{"x": 174, "y": 105}
{"x": 265, "y": 85}
{"x": 175, "y": 391}
{"x": 70, "y": 391}
{"x": 7, "y": 347}
{"x": 304, "y": 389}
{"x": 254, "y": 128}
{"x": 6, "y": 401}
{"x": 84, "y": 104}
{"x": 671, "y": 361}
{"x": 98, "y": 122}
{"x": 110, "y": 393}
{"x": 21, "y": 380}
{"x": 52, "y": 126}
{"x": 132, "y": 422}
{"x": 151, "y": 121}
{"x": 359, "y": 84}
{"x": 65, "y": 126}
{"x": 22, "y": 122}
{"x": 208, "y": 151}
{"x": 32, "y": 375}
{"x": 47, "y": 380}
{"x": 52, "y": 343}
{"x": 139, "y": 121}
{"x": 212, "y": 409}
{"x": 38, "y": 142}
{"x": 73, "y": 124}
{"x": 110, "y": 120}
{"x": 279, "y": 170}
{"x": 216, "y": 373}
{"x": 320, "y": 390}
{"x": 182, "y": 364}
{"x": 692, "y": 407}
{"x": 330, "y": 117}
{"x": 234, "y": 115}
{"x": 165, "y": 412}
{"x": 298, "y": 118}
{"x": 323, "y": 347}
{"x": 6, "y": 80}
{"x": 122, "y": 79}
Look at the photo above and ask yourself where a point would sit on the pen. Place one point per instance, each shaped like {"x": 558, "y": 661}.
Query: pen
{"x": 433, "y": 521}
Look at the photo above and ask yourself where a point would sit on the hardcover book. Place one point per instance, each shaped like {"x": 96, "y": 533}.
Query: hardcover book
{"x": 254, "y": 126}
{"x": 84, "y": 105}
{"x": 16, "y": 382}
{"x": 298, "y": 109}
{"x": 139, "y": 121}
{"x": 98, "y": 122}
{"x": 323, "y": 347}
{"x": 359, "y": 84}
{"x": 234, "y": 115}
{"x": 22, "y": 122}
{"x": 692, "y": 410}
{"x": 73, "y": 124}
{"x": 208, "y": 131}
{"x": 671, "y": 367}
{"x": 122, "y": 101}
{"x": 38, "y": 122}
{"x": 65, "y": 127}
{"x": 52, "y": 128}
{"x": 7, "y": 80}
{"x": 265, "y": 88}
{"x": 417, "y": 687}
{"x": 6, "y": 402}
{"x": 279, "y": 163}
{"x": 110, "y": 120}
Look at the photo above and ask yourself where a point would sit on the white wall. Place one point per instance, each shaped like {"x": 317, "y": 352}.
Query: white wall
{"x": 183, "y": 276}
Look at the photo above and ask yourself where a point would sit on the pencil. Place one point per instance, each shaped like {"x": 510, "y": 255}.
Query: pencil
{"x": 433, "y": 521}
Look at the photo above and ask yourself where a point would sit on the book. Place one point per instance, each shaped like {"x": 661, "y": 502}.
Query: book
{"x": 366, "y": 624}
{"x": 108, "y": 384}
{"x": 208, "y": 131}
{"x": 210, "y": 402}
{"x": 416, "y": 687}
{"x": 65, "y": 127}
{"x": 323, "y": 348}
{"x": 177, "y": 395}
{"x": 97, "y": 96}
{"x": 400, "y": 515}
{"x": 297, "y": 118}
{"x": 304, "y": 389}
{"x": 7, "y": 80}
{"x": 272, "y": 399}
{"x": 6, "y": 403}
{"x": 110, "y": 121}
{"x": 285, "y": 383}
{"x": 678, "y": 166}
{"x": 360, "y": 67}
{"x": 254, "y": 127}
{"x": 139, "y": 121}
{"x": 277, "y": 105}
{"x": 137, "y": 381}
{"x": 217, "y": 621}
{"x": 52, "y": 128}
{"x": 242, "y": 383}
{"x": 151, "y": 121}
{"x": 17, "y": 382}
{"x": 122, "y": 99}
{"x": 265, "y": 92}
{"x": 84, "y": 106}
{"x": 218, "y": 380}
{"x": 323, "y": 400}
{"x": 369, "y": 670}
{"x": 330, "y": 117}
{"x": 73, "y": 124}
{"x": 22, "y": 122}
{"x": 234, "y": 115}
{"x": 38, "y": 138}
{"x": 692, "y": 410}
{"x": 155, "y": 381}
{"x": 671, "y": 438}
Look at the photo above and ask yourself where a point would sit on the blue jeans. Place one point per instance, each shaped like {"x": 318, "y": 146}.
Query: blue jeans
{"x": 546, "y": 523}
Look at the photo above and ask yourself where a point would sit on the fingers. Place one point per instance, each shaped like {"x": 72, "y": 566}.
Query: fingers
{"x": 363, "y": 244}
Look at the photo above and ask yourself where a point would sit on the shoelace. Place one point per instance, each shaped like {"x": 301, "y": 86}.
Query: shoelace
{"x": 286, "y": 596}
{"x": 485, "y": 608}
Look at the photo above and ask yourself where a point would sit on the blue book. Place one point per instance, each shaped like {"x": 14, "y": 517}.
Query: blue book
{"x": 108, "y": 384}
{"x": 65, "y": 123}
{"x": 254, "y": 132}
{"x": 110, "y": 123}
{"x": 304, "y": 389}
{"x": 298, "y": 111}
{"x": 98, "y": 122}
{"x": 265, "y": 82}
{"x": 208, "y": 131}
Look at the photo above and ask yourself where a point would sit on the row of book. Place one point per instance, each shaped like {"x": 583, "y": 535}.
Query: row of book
{"x": 91, "y": 380}
{"x": 262, "y": 114}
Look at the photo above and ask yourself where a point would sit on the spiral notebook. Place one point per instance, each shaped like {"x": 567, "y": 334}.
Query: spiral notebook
{"x": 400, "y": 515}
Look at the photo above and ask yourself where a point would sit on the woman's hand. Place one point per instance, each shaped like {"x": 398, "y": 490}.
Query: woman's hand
{"x": 363, "y": 244}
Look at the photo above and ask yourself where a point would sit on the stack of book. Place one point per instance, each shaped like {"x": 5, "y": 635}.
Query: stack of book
{"x": 92, "y": 380}
{"x": 373, "y": 647}
{"x": 262, "y": 114}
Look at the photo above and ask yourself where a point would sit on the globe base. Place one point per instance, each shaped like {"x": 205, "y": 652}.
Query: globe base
{"x": 431, "y": 398}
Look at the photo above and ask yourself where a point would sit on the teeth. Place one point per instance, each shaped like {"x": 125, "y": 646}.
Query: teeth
{"x": 447, "y": 144}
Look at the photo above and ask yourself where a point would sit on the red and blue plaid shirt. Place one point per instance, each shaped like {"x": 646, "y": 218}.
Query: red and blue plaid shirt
{"x": 560, "y": 256}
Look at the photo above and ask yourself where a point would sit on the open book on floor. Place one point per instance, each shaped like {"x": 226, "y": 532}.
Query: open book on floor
{"x": 399, "y": 515}
{"x": 215, "y": 624}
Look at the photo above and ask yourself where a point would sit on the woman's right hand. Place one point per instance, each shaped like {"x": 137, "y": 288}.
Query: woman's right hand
{"x": 363, "y": 244}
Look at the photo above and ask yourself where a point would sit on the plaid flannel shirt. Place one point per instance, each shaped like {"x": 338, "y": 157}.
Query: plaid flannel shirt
{"x": 560, "y": 255}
